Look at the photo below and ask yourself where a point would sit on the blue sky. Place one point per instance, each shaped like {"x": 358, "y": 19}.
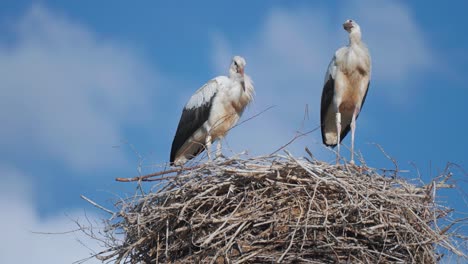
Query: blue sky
{"x": 93, "y": 90}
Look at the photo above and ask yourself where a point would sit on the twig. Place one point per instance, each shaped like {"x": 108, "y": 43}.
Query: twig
{"x": 390, "y": 158}
{"x": 254, "y": 116}
{"x": 97, "y": 205}
{"x": 298, "y": 135}
{"x": 140, "y": 178}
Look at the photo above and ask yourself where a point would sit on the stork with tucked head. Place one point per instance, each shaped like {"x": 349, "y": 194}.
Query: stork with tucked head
{"x": 345, "y": 89}
{"x": 211, "y": 112}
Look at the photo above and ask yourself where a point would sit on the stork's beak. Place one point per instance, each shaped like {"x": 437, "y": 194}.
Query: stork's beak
{"x": 348, "y": 26}
{"x": 241, "y": 71}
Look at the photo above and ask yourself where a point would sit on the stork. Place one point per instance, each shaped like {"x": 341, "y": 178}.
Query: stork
{"x": 211, "y": 112}
{"x": 345, "y": 89}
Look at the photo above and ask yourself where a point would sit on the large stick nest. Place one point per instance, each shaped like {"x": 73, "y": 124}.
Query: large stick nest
{"x": 281, "y": 209}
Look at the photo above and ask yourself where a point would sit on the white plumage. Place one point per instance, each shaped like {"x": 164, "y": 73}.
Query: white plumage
{"x": 211, "y": 112}
{"x": 345, "y": 89}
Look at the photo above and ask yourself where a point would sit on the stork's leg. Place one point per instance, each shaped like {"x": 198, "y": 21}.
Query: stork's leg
{"x": 219, "y": 152}
{"x": 338, "y": 135}
{"x": 353, "y": 129}
{"x": 208, "y": 146}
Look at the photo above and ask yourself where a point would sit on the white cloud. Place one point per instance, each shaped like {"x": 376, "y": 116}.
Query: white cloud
{"x": 67, "y": 92}
{"x": 19, "y": 220}
{"x": 288, "y": 56}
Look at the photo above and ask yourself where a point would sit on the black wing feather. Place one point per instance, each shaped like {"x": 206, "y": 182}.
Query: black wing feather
{"x": 190, "y": 121}
{"x": 327, "y": 97}
{"x": 348, "y": 127}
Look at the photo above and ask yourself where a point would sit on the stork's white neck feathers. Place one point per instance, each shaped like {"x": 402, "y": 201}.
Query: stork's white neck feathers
{"x": 235, "y": 76}
{"x": 355, "y": 36}
{"x": 249, "y": 90}
{"x": 354, "y": 31}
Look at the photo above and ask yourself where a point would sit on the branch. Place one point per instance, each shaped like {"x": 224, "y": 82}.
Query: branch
{"x": 159, "y": 173}
{"x": 96, "y": 205}
{"x": 254, "y": 116}
{"x": 294, "y": 139}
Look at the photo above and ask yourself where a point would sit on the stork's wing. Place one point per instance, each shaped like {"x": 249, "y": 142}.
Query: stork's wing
{"x": 206, "y": 92}
{"x": 194, "y": 115}
{"x": 327, "y": 96}
{"x": 348, "y": 127}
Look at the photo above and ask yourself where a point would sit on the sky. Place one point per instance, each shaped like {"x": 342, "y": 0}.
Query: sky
{"x": 93, "y": 90}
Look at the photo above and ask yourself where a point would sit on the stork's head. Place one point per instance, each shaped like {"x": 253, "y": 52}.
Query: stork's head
{"x": 237, "y": 66}
{"x": 351, "y": 26}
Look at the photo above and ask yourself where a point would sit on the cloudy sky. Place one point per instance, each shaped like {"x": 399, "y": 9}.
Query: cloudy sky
{"x": 90, "y": 91}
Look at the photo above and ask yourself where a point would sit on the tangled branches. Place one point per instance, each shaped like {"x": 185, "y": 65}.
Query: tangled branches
{"x": 281, "y": 209}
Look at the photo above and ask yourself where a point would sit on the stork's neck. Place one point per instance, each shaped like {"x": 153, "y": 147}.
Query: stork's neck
{"x": 235, "y": 76}
{"x": 355, "y": 37}
{"x": 238, "y": 78}
{"x": 232, "y": 72}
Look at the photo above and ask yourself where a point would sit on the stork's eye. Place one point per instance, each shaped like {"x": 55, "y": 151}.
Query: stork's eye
{"x": 235, "y": 63}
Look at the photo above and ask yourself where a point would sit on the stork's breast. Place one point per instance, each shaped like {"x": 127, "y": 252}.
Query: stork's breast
{"x": 237, "y": 106}
{"x": 223, "y": 119}
{"x": 352, "y": 93}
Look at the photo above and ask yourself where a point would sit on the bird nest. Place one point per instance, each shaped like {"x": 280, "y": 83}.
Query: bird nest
{"x": 280, "y": 209}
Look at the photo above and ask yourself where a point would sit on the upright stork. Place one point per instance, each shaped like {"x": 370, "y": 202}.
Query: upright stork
{"x": 345, "y": 89}
{"x": 211, "y": 112}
